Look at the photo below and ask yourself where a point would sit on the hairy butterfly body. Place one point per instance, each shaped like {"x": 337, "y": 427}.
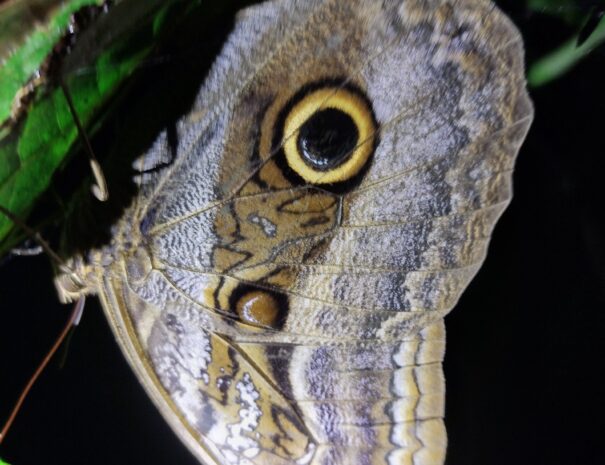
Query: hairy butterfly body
{"x": 280, "y": 280}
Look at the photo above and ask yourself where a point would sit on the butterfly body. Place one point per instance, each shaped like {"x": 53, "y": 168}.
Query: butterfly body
{"x": 280, "y": 280}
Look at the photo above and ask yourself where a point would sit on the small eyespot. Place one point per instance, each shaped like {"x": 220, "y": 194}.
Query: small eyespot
{"x": 329, "y": 134}
{"x": 259, "y": 307}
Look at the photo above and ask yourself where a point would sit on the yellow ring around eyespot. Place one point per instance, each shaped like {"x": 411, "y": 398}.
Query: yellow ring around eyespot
{"x": 341, "y": 99}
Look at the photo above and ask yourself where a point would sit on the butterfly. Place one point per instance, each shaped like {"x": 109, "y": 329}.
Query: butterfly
{"x": 279, "y": 281}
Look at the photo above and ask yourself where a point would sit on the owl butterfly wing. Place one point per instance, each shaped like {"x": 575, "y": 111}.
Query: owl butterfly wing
{"x": 280, "y": 288}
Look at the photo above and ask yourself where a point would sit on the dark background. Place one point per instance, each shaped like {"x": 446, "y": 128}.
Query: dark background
{"x": 524, "y": 362}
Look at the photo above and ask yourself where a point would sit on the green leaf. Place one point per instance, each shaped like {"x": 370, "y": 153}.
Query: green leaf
{"x": 2, "y": 462}
{"x": 565, "y": 57}
{"x": 26, "y": 39}
{"x": 104, "y": 56}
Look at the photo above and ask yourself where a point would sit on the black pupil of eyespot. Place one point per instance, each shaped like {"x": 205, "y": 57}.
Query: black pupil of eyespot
{"x": 327, "y": 138}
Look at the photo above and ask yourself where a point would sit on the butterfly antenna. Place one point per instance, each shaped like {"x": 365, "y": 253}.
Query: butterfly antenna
{"x": 36, "y": 237}
{"x": 99, "y": 188}
{"x": 74, "y": 319}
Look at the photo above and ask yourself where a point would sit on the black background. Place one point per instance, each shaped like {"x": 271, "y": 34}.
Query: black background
{"x": 524, "y": 363}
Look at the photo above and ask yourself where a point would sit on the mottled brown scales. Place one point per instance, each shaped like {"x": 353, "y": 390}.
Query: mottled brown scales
{"x": 280, "y": 287}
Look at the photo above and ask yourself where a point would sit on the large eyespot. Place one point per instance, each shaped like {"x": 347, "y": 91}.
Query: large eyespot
{"x": 329, "y": 133}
